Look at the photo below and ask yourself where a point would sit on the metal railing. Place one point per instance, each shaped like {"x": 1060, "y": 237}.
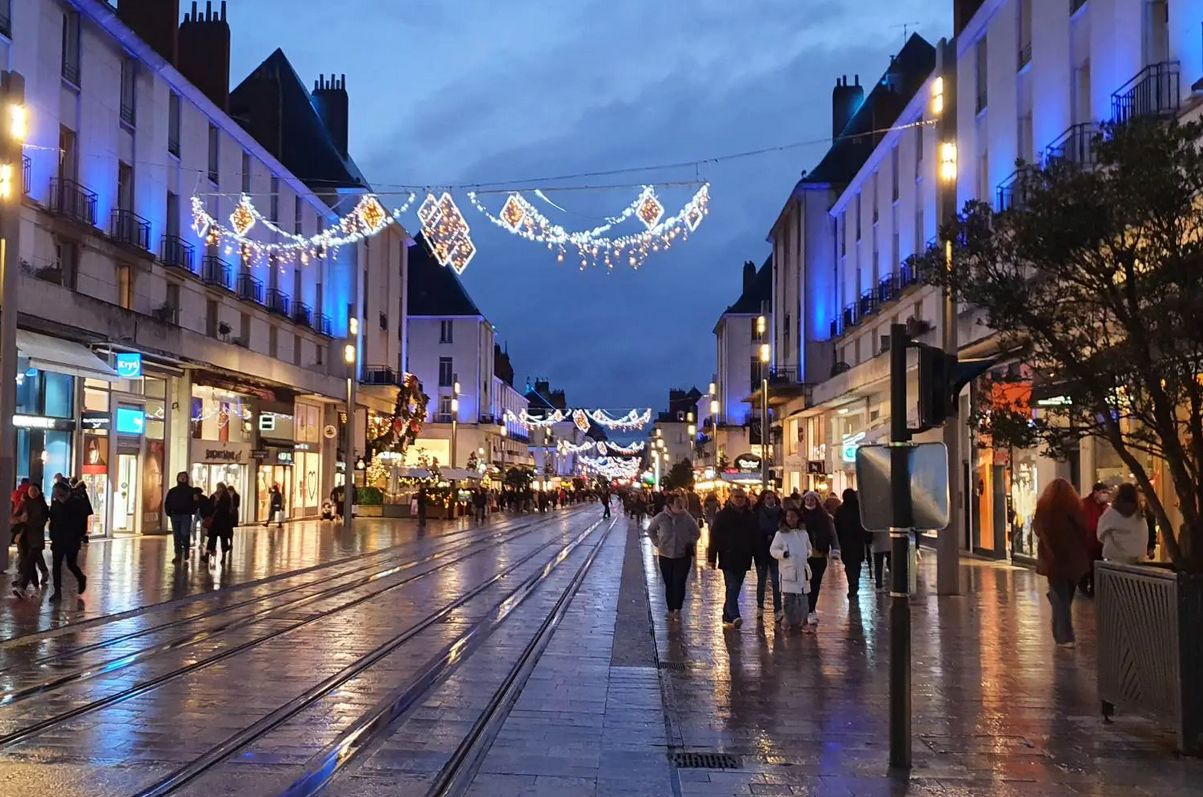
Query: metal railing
{"x": 1075, "y": 145}
{"x": 1025, "y": 56}
{"x": 851, "y": 318}
{"x": 868, "y": 303}
{"x": 325, "y": 326}
{"x": 784, "y": 376}
{"x": 249, "y": 288}
{"x": 72, "y": 200}
{"x": 1154, "y": 91}
{"x": 215, "y": 271}
{"x": 127, "y": 112}
{"x": 70, "y": 71}
{"x": 302, "y": 314}
{"x": 26, "y": 174}
{"x": 836, "y": 331}
{"x": 178, "y": 253}
{"x": 277, "y": 301}
{"x": 378, "y": 375}
{"x": 888, "y": 288}
{"x": 130, "y": 228}
{"x": 1015, "y": 192}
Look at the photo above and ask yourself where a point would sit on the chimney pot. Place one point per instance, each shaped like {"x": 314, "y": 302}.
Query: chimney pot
{"x": 204, "y": 52}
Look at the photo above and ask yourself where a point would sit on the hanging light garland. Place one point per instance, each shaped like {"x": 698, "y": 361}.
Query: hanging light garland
{"x": 632, "y": 421}
{"x": 596, "y": 245}
{"x": 633, "y": 448}
{"x": 528, "y": 421}
{"x": 603, "y": 447}
{"x": 367, "y": 219}
{"x": 611, "y": 468}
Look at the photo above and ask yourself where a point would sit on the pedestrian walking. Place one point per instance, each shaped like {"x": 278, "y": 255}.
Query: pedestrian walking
{"x": 853, "y": 539}
{"x": 83, "y": 504}
{"x": 422, "y": 507}
{"x": 1061, "y": 553}
{"x": 29, "y": 524}
{"x": 880, "y": 550}
{"x": 1093, "y": 507}
{"x": 68, "y": 524}
{"x": 480, "y": 502}
{"x": 823, "y": 544}
{"x": 236, "y": 507}
{"x": 791, "y": 550}
{"x": 694, "y": 502}
{"x": 204, "y": 510}
{"x": 768, "y": 518}
{"x": 605, "y": 499}
{"x": 275, "y": 507}
{"x": 732, "y": 550}
{"x": 832, "y": 504}
{"x": 221, "y": 523}
{"x": 180, "y": 506}
{"x": 710, "y": 508}
{"x": 675, "y": 534}
{"x": 1123, "y": 531}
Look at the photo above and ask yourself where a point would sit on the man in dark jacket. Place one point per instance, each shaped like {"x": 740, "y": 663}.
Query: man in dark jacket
{"x": 732, "y": 548}
{"x": 853, "y": 539}
{"x": 68, "y": 523}
{"x": 180, "y": 506}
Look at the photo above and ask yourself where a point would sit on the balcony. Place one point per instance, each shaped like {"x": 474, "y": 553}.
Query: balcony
{"x": 1153, "y": 92}
{"x": 26, "y": 174}
{"x": 851, "y": 318}
{"x": 277, "y": 301}
{"x": 378, "y": 375}
{"x": 1025, "y": 56}
{"x": 178, "y": 253}
{"x": 1015, "y": 192}
{"x": 127, "y": 112}
{"x": 325, "y": 326}
{"x": 250, "y": 289}
{"x": 73, "y": 201}
{"x": 868, "y": 303}
{"x": 1075, "y": 146}
{"x": 784, "y": 376}
{"x": 130, "y": 229}
{"x": 836, "y": 331}
{"x": 71, "y": 70}
{"x": 215, "y": 271}
{"x": 302, "y": 314}
{"x": 888, "y": 288}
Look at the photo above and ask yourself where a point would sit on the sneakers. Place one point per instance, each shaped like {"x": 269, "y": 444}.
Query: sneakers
{"x": 812, "y": 619}
{"x": 83, "y": 584}
{"x": 728, "y": 624}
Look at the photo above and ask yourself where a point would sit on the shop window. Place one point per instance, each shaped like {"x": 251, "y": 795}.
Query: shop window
{"x": 59, "y": 390}
{"x": 125, "y": 286}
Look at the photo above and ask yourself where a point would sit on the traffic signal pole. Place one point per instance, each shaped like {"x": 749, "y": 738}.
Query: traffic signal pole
{"x": 900, "y": 540}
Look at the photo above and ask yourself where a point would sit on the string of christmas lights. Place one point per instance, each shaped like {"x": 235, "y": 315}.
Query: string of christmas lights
{"x": 634, "y": 420}
{"x": 602, "y": 447}
{"x": 520, "y": 217}
{"x": 610, "y": 467}
{"x": 631, "y": 422}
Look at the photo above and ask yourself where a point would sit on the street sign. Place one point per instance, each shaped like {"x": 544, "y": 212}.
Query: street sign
{"x": 928, "y": 467}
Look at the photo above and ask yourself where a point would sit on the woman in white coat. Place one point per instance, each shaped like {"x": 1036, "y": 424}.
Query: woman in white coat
{"x": 1123, "y": 530}
{"x": 791, "y": 549}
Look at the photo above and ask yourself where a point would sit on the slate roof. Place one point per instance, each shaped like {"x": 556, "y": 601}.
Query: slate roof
{"x": 306, "y": 147}
{"x": 880, "y": 110}
{"x": 435, "y": 290}
{"x": 757, "y": 294}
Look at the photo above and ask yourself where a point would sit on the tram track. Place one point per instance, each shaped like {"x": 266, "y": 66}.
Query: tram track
{"x": 369, "y": 727}
{"x": 30, "y": 731}
{"x": 511, "y": 531}
{"x": 202, "y": 597}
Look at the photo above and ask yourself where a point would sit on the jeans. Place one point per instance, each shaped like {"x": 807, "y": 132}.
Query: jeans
{"x": 852, "y": 570}
{"x": 734, "y": 582}
{"x": 882, "y": 560}
{"x": 480, "y": 514}
{"x": 795, "y": 609}
{"x": 818, "y": 566}
{"x": 676, "y": 575}
{"x": 181, "y": 529}
{"x": 1061, "y": 596}
{"x": 30, "y": 563}
{"x": 770, "y": 569}
{"x": 69, "y": 556}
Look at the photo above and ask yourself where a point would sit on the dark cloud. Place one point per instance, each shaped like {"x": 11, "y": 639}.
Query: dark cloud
{"x": 466, "y": 91}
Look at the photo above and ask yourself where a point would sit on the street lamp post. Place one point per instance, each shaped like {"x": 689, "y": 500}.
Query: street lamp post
{"x": 504, "y": 433}
{"x": 12, "y": 137}
{"x": 350, "y": 357}
{"x": 714, "y": 407}
{"x": 454, "y": 416}
{"x": 765, "y": 355}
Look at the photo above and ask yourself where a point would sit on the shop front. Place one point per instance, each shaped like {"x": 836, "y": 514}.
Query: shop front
{"x": 224, "y": 436}
{"x": 223, "y": 462}
{"x": 275, "y": 468}
{"x": 306, "y": 461}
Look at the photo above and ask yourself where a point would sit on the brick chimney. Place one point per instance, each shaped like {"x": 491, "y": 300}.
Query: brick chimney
{"x": 155, "y": 22}
{"x": 845, "y": 101}
{"x": 333, "y": 105}
{"x": 204, "y": 52}
{"x": 749, "y": 276}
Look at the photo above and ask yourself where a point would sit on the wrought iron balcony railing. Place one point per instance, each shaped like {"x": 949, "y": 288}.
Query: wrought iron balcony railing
{"x": 378, "y": 375}
{"x": 215, "y": 271}
{"x": 1075, "y": 145}
{"x": 131, "y": 229}
{"x": 1015, "y": 192}
{"x": 250, "y": 289}
{"x": 72, "y": 200}
{"x": 178, "y": 253}
{"x": 277, "y": 301}
{"x": 302, "y": 314}
{"x": 1154, "y": 91}
{"x": 325, "y": 326}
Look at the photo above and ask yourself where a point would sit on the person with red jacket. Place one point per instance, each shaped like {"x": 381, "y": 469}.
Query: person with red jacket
{"x": 1093, "y": 507}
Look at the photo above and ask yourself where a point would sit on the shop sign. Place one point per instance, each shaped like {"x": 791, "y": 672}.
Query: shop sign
{"x": 92, "y": 420}
{"x": 283, "y": 457}
{"x": 747, "y": 462}
{"x": 259, "y": 454}
{"x": 130, "y": 420}
{"x": 40, "y": 422}
{"x": 816, "y": 467}
{"x": 302, "y": 447}
{"x": 129, "y": 365}
{"x": 848, "y": 446}
{"x": 218, "y": 452}
{"x": 330, "y": 431}
{"x": 267, "y": 422}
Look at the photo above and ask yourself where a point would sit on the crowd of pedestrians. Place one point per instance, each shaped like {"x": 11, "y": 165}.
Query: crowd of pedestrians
{"x": 209, "y": 519}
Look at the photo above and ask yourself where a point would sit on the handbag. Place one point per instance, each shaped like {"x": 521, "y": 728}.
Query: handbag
{"x": 207, "y": 523}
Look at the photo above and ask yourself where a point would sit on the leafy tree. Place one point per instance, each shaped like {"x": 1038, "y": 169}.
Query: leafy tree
{"x": 518, "y": 478}
{"x": 1095, "y": 273}
{"x": 680, "y": 476}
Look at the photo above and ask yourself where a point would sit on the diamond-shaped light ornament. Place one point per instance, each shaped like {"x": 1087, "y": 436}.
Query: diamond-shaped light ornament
{"x": 512, "y": 213}
{"x": 243, "y": 218}
{"x": 581, "y": 420}
{"x": 372, "y": 214}
{"x": 427, "y": 210}
{"x": 650, "y": 211}
{"x": 461, "y": 254}
{"x": 693, "y": 217}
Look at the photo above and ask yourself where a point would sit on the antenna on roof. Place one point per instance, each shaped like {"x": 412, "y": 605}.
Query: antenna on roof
{"x": 906, "y": 30}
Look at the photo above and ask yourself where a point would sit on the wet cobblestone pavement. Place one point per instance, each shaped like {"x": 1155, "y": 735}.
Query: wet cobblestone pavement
{"x": 531, "y": 657}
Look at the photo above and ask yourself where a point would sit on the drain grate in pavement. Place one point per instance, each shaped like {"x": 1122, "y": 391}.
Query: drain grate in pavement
{"x": 676, "y": 666}
{"x": 705, "y": 761}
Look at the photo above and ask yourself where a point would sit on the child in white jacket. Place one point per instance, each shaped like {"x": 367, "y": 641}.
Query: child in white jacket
{"x": 791, "y": 547}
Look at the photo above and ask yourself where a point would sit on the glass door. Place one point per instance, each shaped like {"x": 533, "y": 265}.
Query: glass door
{"x": 125, "y": 494}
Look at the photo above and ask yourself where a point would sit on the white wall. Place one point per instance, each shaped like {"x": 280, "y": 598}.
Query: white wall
{"x": 471, "y": 351}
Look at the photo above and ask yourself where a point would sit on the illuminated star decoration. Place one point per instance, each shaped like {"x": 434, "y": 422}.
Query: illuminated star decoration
{"x": 600, "y": 244}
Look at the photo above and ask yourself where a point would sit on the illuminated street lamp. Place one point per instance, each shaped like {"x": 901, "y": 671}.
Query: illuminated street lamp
{"x": 15, "y": 127}
{"x": 454, "y": 415}
{"x": 350, "y": 350}
{"x": 766, "y": 355}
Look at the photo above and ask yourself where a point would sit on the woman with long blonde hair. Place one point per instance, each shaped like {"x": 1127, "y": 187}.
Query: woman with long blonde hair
{"x": 1062, "y": 554}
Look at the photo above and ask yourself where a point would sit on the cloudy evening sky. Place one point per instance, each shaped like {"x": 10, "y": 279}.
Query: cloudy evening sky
{"x": 455, "y": 92}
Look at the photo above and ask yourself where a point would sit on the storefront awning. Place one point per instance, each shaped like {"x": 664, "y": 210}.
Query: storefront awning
{"x": 55, "y": 354}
